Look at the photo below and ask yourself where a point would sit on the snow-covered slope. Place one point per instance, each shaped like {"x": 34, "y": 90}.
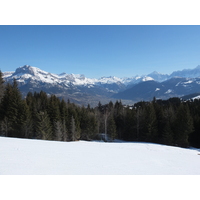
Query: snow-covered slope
{"x": 23, "y": 156}
{"x": 197, "y": 97}
{"x": 7, "y": 74}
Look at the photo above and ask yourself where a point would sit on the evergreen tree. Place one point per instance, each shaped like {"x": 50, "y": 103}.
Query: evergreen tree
{"x": 2, "y": 86}
{"x": 194, "y": 137}
{"x": 150, "y": 127}
{"x": 5, "y": 127}
{"x": 26, "y": 117}
{"x": 88, "y": 123}
{"x": 140, "y": 122}
{"x": 100, "y": 107}
{"x": 31, "y": 102}
{"x": 63, "y": 118}
{"x": 183, "y": 126}
{"x": 74, "y": 132}
{"x": 58, "y": 130}
{"x": 54, "y": 108}
{"x": 167, "y": 134}
{"x": 13, "y": 110}
{"x": 111, "y": 131}
{"x": 167, "y": 131}
{"x": 160, "y": 120}
{"x": 43, "y": 126}
{"x": 93, "y": 126}
{"x": 53, "y": 111}
{"x": 119, "y": 119}
{"x": 130, "y": 125}
{"x": 84, "y": 123}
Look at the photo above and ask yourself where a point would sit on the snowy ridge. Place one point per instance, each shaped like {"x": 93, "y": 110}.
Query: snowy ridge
{"x": 7, "y": 74}
{"x": 147, "y": 78}
{"x": 197, "y": 97}
{"x": 28, "y": 72}
{"x": 25, "y": 72}
{"x": 109, "y": 80}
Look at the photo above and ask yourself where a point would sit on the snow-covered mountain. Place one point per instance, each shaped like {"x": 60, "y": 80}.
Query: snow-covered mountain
{"x": 187, "y": 73}
{"x": 158, "y": 76}
{"x": 26, "y": 72}
{"x": 76, "y": 87}
{"x": 83, "y": 90}
{"x": 174, "y": 87}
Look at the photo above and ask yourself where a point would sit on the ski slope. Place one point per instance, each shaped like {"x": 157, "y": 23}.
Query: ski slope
{"x": 38, "y": 157}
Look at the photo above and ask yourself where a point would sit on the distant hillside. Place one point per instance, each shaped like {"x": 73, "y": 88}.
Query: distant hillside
{"x": 174, "y": 87}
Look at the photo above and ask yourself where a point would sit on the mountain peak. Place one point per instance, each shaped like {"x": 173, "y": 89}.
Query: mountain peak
{"x": 26, "y": 69}
{"x": 198, "y": 67}
{"x": 154, "y": 72}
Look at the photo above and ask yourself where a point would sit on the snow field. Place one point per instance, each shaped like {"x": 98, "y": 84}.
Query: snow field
{"x": 37, "y": 157}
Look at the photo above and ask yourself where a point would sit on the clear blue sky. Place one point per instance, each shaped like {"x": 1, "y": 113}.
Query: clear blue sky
{"x": 96, "y": 51}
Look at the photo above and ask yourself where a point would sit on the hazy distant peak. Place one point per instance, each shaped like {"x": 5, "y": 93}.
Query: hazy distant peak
{"x": 155, "y": 72}
{"x": 189, "y": 73}
{"x": 198, "y": 67}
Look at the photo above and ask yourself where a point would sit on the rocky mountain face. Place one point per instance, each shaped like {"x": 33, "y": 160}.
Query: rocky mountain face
{"x": 83, "y": 90}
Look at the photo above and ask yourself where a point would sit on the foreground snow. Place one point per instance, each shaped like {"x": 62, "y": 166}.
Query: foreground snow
{"x": 23, "y": 156}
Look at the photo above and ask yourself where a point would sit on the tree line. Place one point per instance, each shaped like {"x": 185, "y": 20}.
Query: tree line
{"x": 42, "y": 116}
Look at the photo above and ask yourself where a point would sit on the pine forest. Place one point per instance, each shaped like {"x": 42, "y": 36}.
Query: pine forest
{"x": 41, "y": 116}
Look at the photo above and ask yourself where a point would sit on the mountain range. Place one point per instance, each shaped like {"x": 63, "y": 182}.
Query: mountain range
{"x": 82, "y": 90}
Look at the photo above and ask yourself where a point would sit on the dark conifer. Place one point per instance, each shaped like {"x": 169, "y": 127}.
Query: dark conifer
{"x": 183, "y": 126}
{"x": 111, "y": 130}
{"x": 167, "y": 134}
{"x": 74, "y": 134}
{"x": 53, "y": 111}
{"x": 150, "y": 127}
{"x": 43, "y": 126}
{"x": 2, "y": 86}
{"x": 130, "y": 132}
{"x": 27, "y": 127}
{"x": 63, "y": 118}
{"x": 13, "y": 110}
{"x": 119, "y": 119}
